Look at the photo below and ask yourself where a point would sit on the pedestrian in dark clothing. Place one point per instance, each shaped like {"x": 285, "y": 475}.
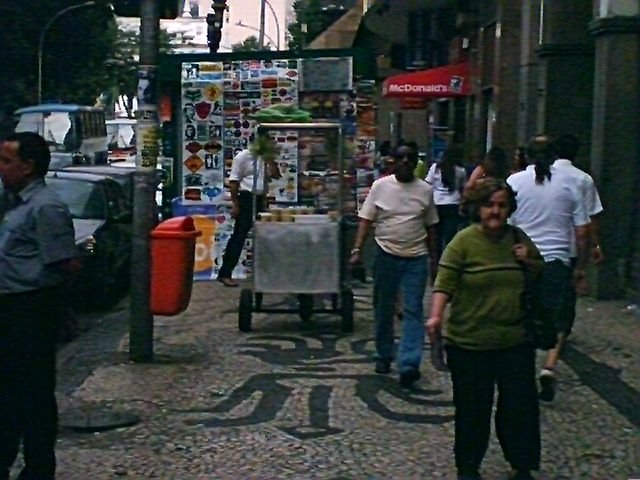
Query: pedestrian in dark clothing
{"x": 37, "y": 250}
{"x": 448, "y": 179}
{"x": 257, "y": 161}
{"x": 480, "y": 273}
{"x": 519, "y": 160}
{"x": 494, "y": 165}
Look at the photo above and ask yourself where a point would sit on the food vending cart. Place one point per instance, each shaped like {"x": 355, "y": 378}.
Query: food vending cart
{"x": 297, "y": 243}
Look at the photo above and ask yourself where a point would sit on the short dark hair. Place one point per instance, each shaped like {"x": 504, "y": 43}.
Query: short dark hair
{"x": 480, "y": 193}
{"x": 410, "y": 145}
{"x": 385, "y": 148}
{"x": 412, "y": 155}
{"x": 452, "y": 157}
{"x": 31, "y": 146}
{"x": 567, "y": 146}
{"x": 496, "y": 164}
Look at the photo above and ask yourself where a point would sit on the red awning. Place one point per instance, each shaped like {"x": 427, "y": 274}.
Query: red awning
{"x": 440, "y": 82}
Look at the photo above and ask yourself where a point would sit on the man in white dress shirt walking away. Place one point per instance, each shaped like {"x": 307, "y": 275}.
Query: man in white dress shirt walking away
{"x": 552, "y": 213}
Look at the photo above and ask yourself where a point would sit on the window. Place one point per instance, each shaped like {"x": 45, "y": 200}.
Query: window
{"x": 83, "y": 199}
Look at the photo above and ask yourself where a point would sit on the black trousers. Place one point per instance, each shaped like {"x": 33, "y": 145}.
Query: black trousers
{"x": 449, "y": 223}
{"x": 474, "y": 375}
{"x": 28, "y": 412}
{"x": 241, "y": 229}
{"x": 568, "y": 313}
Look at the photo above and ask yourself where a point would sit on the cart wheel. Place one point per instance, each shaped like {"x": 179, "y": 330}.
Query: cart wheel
{"x": 245, "y": 310}
{"x": 334, "y": 302}
{"x": 258, "y": 301}
{"x": 306, "y": 307}
{"x": 347, "y": 311}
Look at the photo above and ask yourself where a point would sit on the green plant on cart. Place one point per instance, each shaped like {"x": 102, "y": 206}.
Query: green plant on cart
{"x": 282, "y": 113}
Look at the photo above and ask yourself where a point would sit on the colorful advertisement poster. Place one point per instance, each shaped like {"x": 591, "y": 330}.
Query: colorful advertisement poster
{"x": 216, "y": 230}
{"x": 202, "y": 138}
{"x": 218, "y": 102}
{"x": 250, "y": 86}
{"x": 285, "y": 189}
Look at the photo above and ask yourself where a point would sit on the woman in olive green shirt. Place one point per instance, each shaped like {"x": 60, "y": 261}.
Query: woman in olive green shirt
{"x": 481, "y": 274}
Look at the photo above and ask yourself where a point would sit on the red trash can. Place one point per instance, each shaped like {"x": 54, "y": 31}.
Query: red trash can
{"x": 173, "y": 244}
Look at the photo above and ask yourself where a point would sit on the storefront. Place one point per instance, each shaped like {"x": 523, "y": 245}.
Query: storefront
{"x": 441, "y": 93}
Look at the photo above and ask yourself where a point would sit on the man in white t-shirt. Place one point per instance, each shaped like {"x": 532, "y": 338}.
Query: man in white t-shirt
{"x": 244, "y": 189}
{"x": 405, "y": 217}
{"x": 552, "y": 213}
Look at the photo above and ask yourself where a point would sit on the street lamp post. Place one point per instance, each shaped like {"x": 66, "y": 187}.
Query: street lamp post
{"x": 256, "y": 29}
{"x": 44, "y": 32}
{"x": 261, "y": 30}
{"x": 275, "y": 17}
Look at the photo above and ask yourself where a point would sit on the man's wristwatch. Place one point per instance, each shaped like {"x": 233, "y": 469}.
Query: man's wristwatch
{"x": 355, "y": 251}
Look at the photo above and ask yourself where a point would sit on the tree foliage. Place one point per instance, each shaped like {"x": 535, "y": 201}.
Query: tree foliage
{"x": 122, "y": 67}
{"x": 309, "y": 13}
{"x": 75, "y": 48}
{"x": 85, "y": 54}
{"x": 249, "y": 44}
{"x": 312, "y": 17}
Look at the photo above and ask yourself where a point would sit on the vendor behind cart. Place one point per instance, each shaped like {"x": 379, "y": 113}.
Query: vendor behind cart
{"x": 248, "y": 183}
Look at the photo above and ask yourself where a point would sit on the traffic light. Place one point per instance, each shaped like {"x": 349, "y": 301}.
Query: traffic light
{"x": 214, "y": 24}
{"x": 168, "y": 9}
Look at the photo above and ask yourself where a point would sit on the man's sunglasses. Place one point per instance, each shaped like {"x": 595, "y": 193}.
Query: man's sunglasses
{"x": 401, "y": 156}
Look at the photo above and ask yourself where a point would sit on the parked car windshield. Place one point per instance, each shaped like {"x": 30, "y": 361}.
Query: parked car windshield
{"x": 83, "y": 199}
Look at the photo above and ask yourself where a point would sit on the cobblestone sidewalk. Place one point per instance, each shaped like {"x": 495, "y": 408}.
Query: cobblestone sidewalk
{"x": 303, "y": 403}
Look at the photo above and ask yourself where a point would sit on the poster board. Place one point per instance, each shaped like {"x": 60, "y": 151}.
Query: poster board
{"x": 218, "y": 97}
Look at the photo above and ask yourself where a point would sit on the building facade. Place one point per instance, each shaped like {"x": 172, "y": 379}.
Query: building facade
{"x": 537, "y": 66}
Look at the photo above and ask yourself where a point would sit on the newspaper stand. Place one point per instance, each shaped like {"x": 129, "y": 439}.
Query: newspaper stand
{"x": 301, "y": 257}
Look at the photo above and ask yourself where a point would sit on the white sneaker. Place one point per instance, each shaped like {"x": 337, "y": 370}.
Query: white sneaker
{"x": 547, "y": 381}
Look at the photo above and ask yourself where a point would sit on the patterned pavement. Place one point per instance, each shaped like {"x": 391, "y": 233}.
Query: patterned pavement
{"x": 301, "y": 401}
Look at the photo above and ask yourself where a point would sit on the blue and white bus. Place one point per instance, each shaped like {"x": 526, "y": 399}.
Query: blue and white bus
{"x": 75, "y": 134}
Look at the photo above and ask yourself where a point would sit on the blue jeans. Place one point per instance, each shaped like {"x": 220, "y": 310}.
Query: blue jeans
{"x": 391, "y": 275}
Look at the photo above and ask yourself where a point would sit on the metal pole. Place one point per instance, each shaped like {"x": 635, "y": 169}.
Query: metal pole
{"x": 44, "y": 32}
{"x": 275, "y": 18}
{"x": 144, "y": 209}
{"x": 262, "y": 24}
{"x": 256, "y": 29}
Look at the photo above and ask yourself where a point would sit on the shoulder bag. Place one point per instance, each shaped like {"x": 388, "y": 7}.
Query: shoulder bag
{"x": 537, "y": 319}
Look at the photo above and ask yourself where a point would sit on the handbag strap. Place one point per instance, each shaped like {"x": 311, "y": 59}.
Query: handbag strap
{"x": 517, "y": 238}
